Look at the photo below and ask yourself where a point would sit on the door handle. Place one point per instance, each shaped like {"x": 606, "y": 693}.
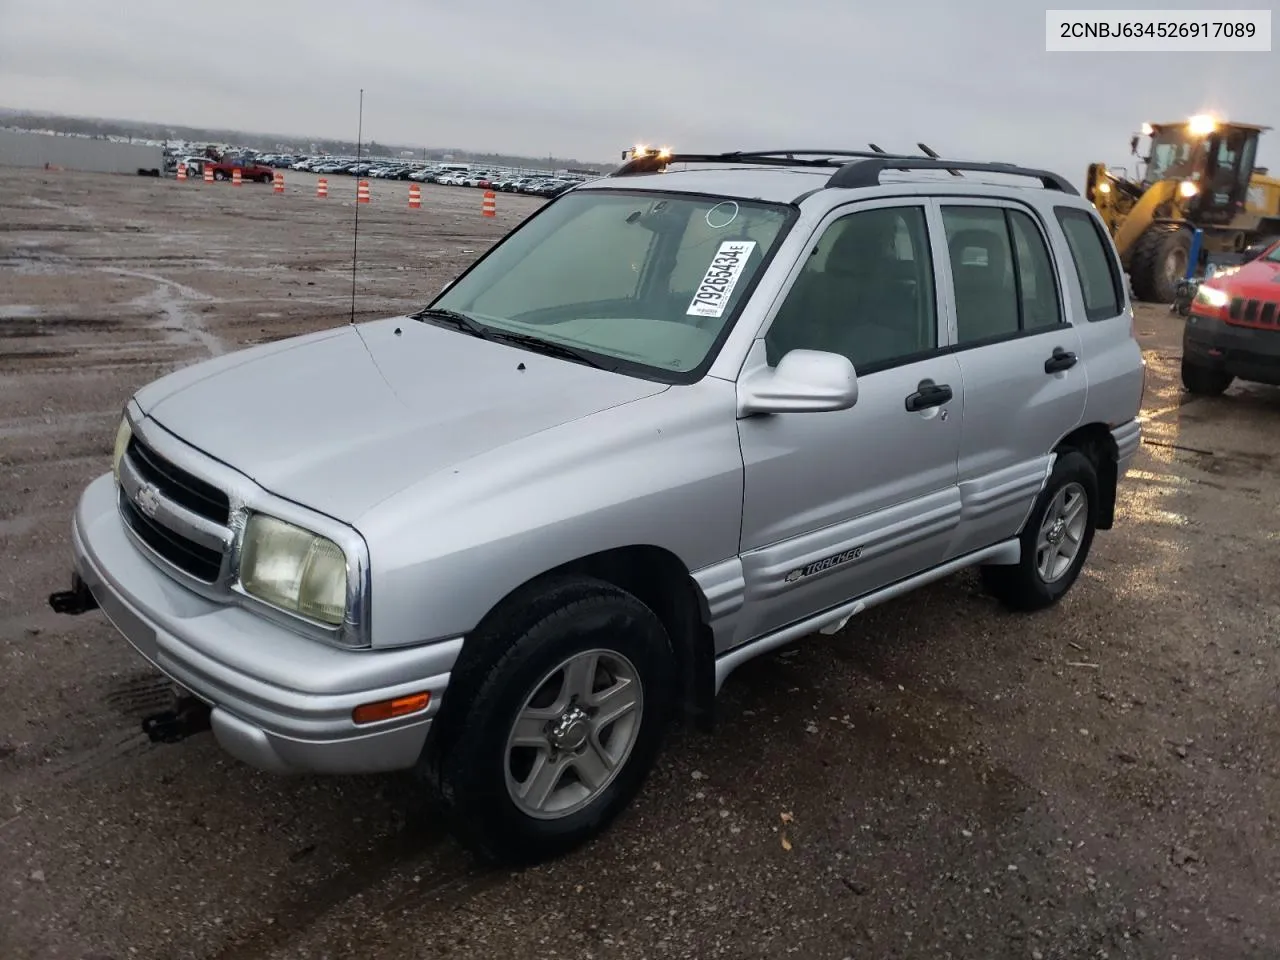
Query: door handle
{"x": 928, "y": 394}
{"x": 1061, "y": 360}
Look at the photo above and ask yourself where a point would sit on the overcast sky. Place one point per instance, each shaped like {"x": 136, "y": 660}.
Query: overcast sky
{"x": 971, "y": 79}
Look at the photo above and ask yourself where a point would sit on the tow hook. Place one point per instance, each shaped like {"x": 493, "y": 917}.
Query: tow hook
{"x": 75, "y": 601}
{"x": 189, "y": 716}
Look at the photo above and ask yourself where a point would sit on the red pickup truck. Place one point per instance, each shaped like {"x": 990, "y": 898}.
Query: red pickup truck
{"x": 249, "y": 170}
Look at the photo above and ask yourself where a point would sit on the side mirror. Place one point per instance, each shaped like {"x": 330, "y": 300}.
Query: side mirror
{"x": 804, "y": 381}
{"x": 1133, "y": 145}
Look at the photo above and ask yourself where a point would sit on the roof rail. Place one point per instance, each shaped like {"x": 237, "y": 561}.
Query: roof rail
{"x": 866, "y": 173}
{"x": 653, "y": 161}
{"x": 853, "y": 168}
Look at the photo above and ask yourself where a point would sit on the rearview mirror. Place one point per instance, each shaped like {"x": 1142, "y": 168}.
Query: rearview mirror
{"x": 804, "y": 381}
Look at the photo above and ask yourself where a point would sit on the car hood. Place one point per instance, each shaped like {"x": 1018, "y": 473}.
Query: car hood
{"x": 1258, "y": 280}
{"x": 340, "y": 420}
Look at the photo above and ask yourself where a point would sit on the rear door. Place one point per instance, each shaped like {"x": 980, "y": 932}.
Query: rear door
{"x": 1023, "y": 373}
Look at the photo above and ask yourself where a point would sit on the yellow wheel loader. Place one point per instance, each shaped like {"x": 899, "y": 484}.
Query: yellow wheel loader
{"x": 1196, "y": 174}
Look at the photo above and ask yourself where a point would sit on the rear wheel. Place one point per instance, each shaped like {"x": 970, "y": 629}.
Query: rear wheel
{"x": 1159, "y": 261}
{"x": 219, "y": 175}
{"x": 1055, "y": 540}
{"x": 546, "y": 744}
{"x": 1203, "y": 380}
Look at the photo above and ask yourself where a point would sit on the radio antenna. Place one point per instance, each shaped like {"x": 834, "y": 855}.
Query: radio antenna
{"x": 355, "y": 235}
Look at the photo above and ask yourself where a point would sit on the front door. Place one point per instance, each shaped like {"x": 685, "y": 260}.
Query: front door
{"x": 837, "y": 504}
{"x": 1021, "y": 363}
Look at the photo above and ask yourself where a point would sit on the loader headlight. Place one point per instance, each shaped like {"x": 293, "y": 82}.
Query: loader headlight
{"x": 123, "y": 434}
{"x": 1211, "y": 297}
{"x": 1202, "y": 124}
{"x": 294, "y": 569}
{"x": 1188, "y": 189}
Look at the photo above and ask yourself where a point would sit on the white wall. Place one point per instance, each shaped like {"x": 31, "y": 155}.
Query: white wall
{"x": 20, "y": 148}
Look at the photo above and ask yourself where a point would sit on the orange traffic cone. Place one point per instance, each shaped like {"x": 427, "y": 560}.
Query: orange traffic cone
{"x": 490, "y": 206}
{"x": 415, "y": 197}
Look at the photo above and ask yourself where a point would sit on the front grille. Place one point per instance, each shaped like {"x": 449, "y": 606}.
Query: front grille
{"x": 192, "y": 558}
{"x": 1254, "y": 313}
{"x": 179, "y": 486}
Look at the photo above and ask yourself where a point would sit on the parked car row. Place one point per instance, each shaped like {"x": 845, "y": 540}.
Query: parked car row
{"x": 541, "y": 185}
{"x": 260, "y": 167}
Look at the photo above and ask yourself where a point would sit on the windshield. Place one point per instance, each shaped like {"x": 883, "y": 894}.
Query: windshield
{"x": 1171, "y": 154}
{"x": 649, "y": 280}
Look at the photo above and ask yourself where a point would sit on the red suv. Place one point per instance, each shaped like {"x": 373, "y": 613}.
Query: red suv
{"x": 249, "y": 169}
{"x": 1233, "y": 328}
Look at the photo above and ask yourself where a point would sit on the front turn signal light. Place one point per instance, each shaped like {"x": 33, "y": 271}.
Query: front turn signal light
{"x": 389, "y": 709}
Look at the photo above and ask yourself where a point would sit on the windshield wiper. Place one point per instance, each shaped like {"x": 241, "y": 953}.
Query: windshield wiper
{"x": 459, "y": 320}
{"x": 549, "y": 347}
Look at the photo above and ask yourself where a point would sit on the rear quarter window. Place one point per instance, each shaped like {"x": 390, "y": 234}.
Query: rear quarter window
{"x": 1101, "y": 282}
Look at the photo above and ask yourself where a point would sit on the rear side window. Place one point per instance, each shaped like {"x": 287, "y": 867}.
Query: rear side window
{"x": 1095, "y": 264}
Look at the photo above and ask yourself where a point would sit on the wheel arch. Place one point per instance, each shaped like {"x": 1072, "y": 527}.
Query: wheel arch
{"x": 653, "y": 575}
{"x": 1095, "y": 441}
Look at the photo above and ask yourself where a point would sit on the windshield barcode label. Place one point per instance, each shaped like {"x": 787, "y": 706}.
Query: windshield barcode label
{"x": 713, "y": 293}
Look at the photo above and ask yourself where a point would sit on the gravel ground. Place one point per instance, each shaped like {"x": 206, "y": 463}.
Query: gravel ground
{"x": 941, "y": 779}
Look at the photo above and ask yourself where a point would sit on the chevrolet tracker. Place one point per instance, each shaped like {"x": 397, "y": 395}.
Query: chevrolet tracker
{"x": 680, "y": 416}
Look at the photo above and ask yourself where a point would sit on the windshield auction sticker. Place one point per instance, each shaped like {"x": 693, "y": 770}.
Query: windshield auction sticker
{"x": 713, "y": 293}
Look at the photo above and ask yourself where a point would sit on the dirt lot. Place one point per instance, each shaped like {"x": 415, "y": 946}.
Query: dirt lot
{"x": 1101, "y": 780}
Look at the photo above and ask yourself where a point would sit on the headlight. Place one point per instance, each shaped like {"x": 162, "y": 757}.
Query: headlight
{"x": 1188, "y": 189}
{"x": 1212, "y": 297}
{"x": 123, "y": 433}
{"x": 294, "y": 569}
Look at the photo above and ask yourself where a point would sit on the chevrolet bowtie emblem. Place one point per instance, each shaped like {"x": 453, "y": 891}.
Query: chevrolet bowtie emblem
{"x": 148, "y": 499}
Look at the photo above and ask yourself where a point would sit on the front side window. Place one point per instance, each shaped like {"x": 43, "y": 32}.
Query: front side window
{"x": 866, "y": 292}
{"x": 648, "y": 280}
{"x": 1172, "y": 151}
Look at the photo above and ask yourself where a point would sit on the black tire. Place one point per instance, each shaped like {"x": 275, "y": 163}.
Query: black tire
{"x": 219, "y": 175}
{"x": 467, "y": 761}
{"x": 1021, "y": 586}
{"x": 1159, "y": 261}
{"x": 1204, "y": 381}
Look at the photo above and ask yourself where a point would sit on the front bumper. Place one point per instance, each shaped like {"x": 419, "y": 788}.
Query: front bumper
{"x": 280, "y": 702}
{"x": 1250, "y": 353}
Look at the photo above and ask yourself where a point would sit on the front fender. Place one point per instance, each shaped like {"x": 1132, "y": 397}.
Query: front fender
{"x": 663, "y": 471}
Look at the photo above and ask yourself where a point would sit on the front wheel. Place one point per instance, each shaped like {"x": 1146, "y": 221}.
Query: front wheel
{"x": 1204, "y": 381}
{"x": 1160, "y": 258}
{"x": 1055, "y": 540}
{"x": 561, "y": 730}
{"x": 219, "y": 175}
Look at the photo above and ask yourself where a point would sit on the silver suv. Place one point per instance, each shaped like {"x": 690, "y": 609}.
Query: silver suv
{"x": 674, "y": 420}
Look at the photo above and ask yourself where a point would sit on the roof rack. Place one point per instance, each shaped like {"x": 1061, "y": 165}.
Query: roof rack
{"x": 866, "y": 173}
{"x": 653, "y": 161}
{"x": 853, "y": 168}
